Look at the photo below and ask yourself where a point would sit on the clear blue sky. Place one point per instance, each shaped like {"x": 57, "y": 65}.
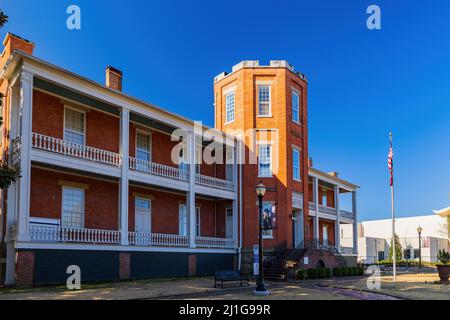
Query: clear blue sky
{"x": 362, "y": 83}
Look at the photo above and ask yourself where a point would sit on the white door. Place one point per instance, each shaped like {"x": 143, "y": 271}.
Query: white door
{"x": 325, "y": 235}
{"x": 142, "y": 215}
{"x": 229, "y": 223}
{"x": 298, "y": 228}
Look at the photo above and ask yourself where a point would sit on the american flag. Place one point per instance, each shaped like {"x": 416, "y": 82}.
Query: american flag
{"x": 391, "y": 164}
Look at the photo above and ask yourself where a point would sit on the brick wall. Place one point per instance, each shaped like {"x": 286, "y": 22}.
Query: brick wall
{"x": 24, "y": 268}
{"x": 101, "y": 198}
{"x": 102, "y": 130}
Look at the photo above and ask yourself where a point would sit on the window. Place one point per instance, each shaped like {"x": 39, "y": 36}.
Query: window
{"x": 229, "y": 165}
{"x": 296, "y": 164}
{"x": 182, "y": 220}
{"x": 74, "y": 126}
{"x": 325, "y": 235}
{"x": 295, "y": 107}
{"x": 265, "y": 160}
{"x": 197, "y": 222}
{"x": 183, "y": 161}
{"x": 143, "y": 146}
{"x": 229, "y": 105}
{"x": 229, "y": 223}
{"x": 380, "y": 255}
{"x": 264, "y": 108}
{"x": 72, "y": 208}
{"x": 198, "y": 159}
{"x": 324, "y": 197}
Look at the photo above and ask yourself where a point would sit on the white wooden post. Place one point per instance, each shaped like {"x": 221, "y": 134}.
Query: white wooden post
{"x": 337, "y": 227}
{"x": 124, "y": 150}
{"x": 316, "y": 205}
{"x": 191, "y": 193}
{"x": 355, "y": 223}
{"x": 26, "y": 110}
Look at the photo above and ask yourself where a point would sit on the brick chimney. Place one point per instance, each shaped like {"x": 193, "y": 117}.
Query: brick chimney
{"x": 114, "y": 78}
{"x": 13, "y": 42}
{"x": 310, "y": 162}
{"x": 333, "y": 173}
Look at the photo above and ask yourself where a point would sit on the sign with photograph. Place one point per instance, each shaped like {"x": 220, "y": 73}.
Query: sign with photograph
{"x": 268, "y": 216}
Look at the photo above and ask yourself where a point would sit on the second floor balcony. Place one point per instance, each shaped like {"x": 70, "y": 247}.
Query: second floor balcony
{"x": 82, "y": 152}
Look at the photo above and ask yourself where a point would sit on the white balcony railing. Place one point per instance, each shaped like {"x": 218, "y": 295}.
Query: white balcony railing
{"x": 210, "y": 242}
{"x": 214, "y": 182}
{"x": 328, "y": 210}
{"x": 75, "y": 150}
{"x": 158, "y": 169}
{"x": 157, "y": 239}
{"x": 346, "y": 214}
{"x": 48, "y": 233}
{"x": 347, "y": 250}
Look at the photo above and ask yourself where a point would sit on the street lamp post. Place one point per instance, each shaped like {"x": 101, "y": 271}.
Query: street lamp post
{"x": 260, "y": 287}
{"x": 419, "y": 231}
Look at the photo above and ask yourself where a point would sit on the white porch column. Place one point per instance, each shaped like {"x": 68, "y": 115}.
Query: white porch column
{"x": 316, "y": 205}
{"x": 235, "y": 202}
{"x": 191, "y": 193}
{"x": 26, "y": 110}
{"x": 124, "y": 151}
{"x": 13, "y": 190}
{"x": 355, "y": 222}
{"x": 337, "y": 227}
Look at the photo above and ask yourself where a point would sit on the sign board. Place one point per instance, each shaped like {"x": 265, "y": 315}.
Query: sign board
{"x": 305, "y": 261}
{"x": 256, "y": 259}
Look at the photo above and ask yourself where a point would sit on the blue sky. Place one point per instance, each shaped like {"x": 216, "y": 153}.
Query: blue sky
{"x": 362, "y": 83}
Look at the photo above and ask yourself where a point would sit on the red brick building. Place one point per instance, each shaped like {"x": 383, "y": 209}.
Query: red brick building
{"x": 107, "y": 182}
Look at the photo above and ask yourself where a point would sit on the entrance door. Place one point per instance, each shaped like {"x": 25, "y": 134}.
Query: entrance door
{"x": 229, "y": 223}
{"x": 298, "y": 228}
{"x": 142, "y": 215}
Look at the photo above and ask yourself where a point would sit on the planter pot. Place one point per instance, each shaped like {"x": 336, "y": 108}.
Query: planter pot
{"x": 444, "y": 272}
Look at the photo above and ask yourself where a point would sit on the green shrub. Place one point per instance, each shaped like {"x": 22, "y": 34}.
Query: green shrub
{"x": 321, "y": 273}
{"x": 345, "y": 271}
{"x": 354, "y": 271}
{"x": 327, "y": 273}
{"x": 301, "y": 274}
{"x": 312, "y": 273}
{"x": 360, "y": 271}
{"x": 338, "y": 272}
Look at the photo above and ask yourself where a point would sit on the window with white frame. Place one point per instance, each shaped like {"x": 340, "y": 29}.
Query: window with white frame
{"x": 229, "y": 161}
{"x": 74, "y": 126}
{"x": 197, "y": 222}
{"x": 264, "y": 106}
{"x": 72, "y": 207}
{"x": 183, "y": 159}
{"x": 296, "y": 164}
{"x": 229, "y": 106}
{"x": 324, "y": 197}
{"x": 264, "y": 160}
{"x": 143, "y": 146}
{"x": 182, "y": 220}
{"x": 295, "y": 107}
{"x": 198, "y": 159}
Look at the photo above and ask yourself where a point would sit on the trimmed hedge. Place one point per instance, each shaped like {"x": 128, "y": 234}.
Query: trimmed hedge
{"x": 321, "y": 273}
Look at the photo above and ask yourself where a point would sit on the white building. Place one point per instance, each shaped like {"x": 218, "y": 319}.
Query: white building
{"x": 374, "y": 237}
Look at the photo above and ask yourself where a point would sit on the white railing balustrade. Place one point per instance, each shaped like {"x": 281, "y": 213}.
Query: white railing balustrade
{"x": 210, "y": 242}
{"x": 56, "y": 145}
{"x": 49, "y": 233}
{"x": 346, "y": 214}
{"x": 157, "y": 239}
{"x": 214, "y": 182}
{"x": 326, "y": 209}
{"x": 158, "y": 169}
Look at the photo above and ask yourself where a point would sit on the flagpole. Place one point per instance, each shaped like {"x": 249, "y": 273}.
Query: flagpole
{"x": 394, "y": 255}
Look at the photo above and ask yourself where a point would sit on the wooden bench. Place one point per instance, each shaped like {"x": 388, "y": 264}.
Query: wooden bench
{"x": 229, "y": 276}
